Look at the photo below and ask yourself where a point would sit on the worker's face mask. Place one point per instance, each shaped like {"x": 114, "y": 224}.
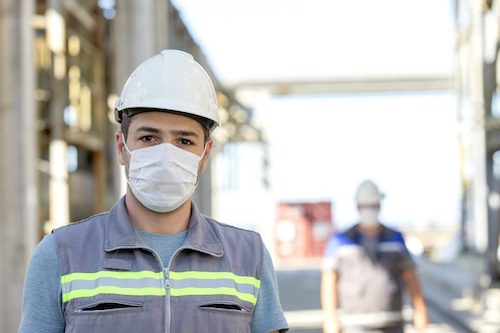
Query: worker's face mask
{"x": 369, "y": 216}
{"x": 162, "y": 177}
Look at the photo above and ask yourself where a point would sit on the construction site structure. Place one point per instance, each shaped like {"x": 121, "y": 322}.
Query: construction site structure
{"x": 63, "y": 62}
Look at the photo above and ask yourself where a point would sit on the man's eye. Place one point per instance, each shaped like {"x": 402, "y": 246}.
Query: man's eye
{"x": 185, "y": 142}
{"x": 147, "y": 138}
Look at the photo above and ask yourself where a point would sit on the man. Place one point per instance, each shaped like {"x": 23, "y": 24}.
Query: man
{"x": 363, "y": 271}
{"x": 153, "y": 263}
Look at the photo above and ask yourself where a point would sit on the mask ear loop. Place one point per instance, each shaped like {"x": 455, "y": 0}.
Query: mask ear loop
{"x": 129, "y": 152}
{"x": 125, "y": 144}
{"x": 204, "y": 151}
{"x": 201, "y": 157}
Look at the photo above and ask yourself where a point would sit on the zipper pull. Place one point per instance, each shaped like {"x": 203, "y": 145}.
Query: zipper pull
{"x": 166, "y": 278}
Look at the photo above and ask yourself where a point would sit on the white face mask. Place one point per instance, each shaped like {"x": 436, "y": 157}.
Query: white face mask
{"x": 162, "y": 177}
{"x": 369, "y": 216}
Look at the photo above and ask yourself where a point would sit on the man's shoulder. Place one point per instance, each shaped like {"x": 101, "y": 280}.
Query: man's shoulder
{"x": 233, "y": 236}
{"x": 342, "y": 239}
{"x": 341, "y": 244}
{"x": 390, "y": 234}
{"x": 236, "y": 243}
{"x": 345, "y": 236}
{"x": 225, "y": 227}
{"x": 81, "y": 225}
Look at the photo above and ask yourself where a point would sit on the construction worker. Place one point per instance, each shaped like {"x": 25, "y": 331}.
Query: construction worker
{"x": 154, "y": 263}
{"x": 363, "y": 273}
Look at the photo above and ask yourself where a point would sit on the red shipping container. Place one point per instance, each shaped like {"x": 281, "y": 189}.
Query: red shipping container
{"x": 302, "y": 229}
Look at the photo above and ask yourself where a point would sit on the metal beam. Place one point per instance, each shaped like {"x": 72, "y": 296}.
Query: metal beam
{"x": 349, "y": 85}
{"x": 80, "y": 13}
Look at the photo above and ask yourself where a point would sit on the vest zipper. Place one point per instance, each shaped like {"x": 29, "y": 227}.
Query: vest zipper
{"x": 167, "y": 299}
{"x": 168, "y": 285}
{"x": 166, "y": 279}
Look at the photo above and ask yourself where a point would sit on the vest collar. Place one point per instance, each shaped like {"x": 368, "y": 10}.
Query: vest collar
{"x": 383, "y": 234}
{"x": 120, "y": 233}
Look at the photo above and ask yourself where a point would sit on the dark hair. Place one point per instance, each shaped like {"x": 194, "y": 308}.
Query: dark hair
{"x": 125, "y": 124}
{"x": 206, "y": 124}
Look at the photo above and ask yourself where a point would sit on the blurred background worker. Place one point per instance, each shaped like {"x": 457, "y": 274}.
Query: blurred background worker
{"x": 363, "y": 273}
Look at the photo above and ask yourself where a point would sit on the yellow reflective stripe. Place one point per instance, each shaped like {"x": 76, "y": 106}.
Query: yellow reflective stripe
{"x": 213, "y": 291}
{"x": 152, "y": 291}
{"x": 111, "y": 274}
{"x": 113, "y": 290}
{"x": 215, "y": 276}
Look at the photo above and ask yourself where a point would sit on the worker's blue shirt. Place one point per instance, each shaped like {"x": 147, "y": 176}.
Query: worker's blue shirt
{"x": 42, "y": 304}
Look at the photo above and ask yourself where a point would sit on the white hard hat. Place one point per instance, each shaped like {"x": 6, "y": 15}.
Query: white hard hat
{"x": 368, "y": 193}
{"x": 170, "y": 81}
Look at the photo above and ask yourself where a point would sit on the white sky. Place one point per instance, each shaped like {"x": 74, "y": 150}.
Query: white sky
{"x": 406, "y": 143}
{"x": 321, "y": 147}
{"x": 268, "y": 39}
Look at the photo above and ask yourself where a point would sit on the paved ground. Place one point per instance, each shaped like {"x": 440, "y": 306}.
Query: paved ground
{"x": 299, "y": 294}
{"x": 462, "y": 293}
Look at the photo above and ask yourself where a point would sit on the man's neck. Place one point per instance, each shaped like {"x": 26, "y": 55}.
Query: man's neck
{"x": 161, "y": 223}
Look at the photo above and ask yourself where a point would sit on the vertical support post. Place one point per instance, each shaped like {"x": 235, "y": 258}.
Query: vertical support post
{"x": 480, "y": 186}
{"x": 140, "y": 30}
{"x": 492, "y": 230}
{"x": 482, "y": 87}
{"x": 100, "y": 163}
{"x": 18, "y": 144}
{"x": 58, "y": 183}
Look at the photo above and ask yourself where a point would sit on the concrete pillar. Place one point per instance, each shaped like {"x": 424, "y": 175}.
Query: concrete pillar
{"x": 58, "y": 183}
{"x": 493, "y": 228}
{"x": 18, "y": 151}
{"x": 139, "y": 31}
{"x": 480, "y": 185}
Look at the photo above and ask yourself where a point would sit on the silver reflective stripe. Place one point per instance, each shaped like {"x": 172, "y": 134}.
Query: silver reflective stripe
{"x": 202, "y": 283}
{"x": 220, "y": 283}
{"x": 83, "y": 285}
{"x": 106, "y": 281}
{"x": 346, "y": 250}
{"x": 391, "y": 246}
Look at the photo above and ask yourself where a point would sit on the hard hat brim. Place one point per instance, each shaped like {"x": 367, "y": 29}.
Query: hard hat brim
{"x": 206, "y": 123}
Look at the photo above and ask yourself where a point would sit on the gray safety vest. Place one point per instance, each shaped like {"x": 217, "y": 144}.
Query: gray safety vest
{"x": 112, "y": 282}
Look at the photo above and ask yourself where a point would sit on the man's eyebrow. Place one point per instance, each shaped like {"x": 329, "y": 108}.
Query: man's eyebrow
{"x": 184, "y": 133}
{"x": 148, "y": 129}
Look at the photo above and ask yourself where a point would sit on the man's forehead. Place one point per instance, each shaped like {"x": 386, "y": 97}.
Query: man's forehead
{"x": 164, "y": 121}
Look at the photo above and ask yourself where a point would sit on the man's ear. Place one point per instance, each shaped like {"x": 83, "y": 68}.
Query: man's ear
{"x": 120, "y": 147}
{"x": 208, "y": 149}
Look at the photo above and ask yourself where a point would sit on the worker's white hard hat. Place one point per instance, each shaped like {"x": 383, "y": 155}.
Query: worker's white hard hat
{"x": 368, "y": 193}
{"x": 170, "y": 81}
